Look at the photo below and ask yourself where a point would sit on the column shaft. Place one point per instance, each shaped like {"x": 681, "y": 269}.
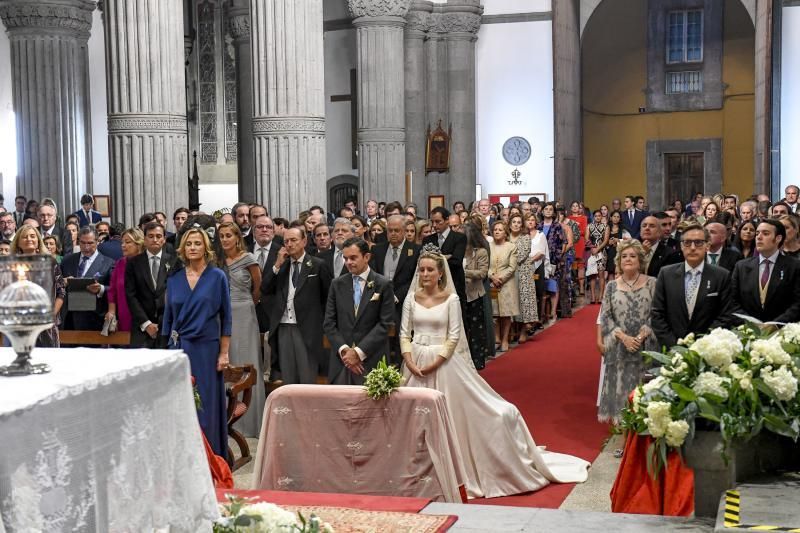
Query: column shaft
{"x": 50, "y": 72}
{"x": 239, "y": 23}
{"x": 288, "y": 104}
{"x": 381, "y": 109}
{"x": 146, "y": 106}
{"x": 416, "y": 122}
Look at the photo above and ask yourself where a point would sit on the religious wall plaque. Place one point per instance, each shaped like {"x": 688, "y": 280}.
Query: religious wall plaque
{"x": 516, "y": 151}
{"x": 437, "y": 150}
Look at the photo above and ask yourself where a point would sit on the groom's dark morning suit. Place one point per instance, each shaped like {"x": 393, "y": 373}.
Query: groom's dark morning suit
{"x": 145, "y": 299}
{"x": 296, "y": 341}
{"x": 713, "y": 306}
{"x": 366, "y": 329}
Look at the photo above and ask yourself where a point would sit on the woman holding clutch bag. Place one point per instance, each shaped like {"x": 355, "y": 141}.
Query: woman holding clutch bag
{"x": 132, "y": 245}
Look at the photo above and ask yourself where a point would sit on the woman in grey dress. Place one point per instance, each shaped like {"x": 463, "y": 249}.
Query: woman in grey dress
{"x": 625, "y": 329}
{"x": 244, "y": 278}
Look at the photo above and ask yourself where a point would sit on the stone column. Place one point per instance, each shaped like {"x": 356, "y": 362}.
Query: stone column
{"x": 381, "y": 100}
{"x": 239, "y": 24}
{"x": 436, "y": 107}
{"x": 567, "y": 101}
{"x": 763, "y": 98}
{"x": 146, "y": 107}
{"x": 416, "y": 119}
{"x": 50, "y": 81}
{"x": 462, "y": 30}
{"x": 288, "y": 104}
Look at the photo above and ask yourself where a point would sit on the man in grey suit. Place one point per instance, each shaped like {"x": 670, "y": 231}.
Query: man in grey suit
{"x": 358, "y": 316}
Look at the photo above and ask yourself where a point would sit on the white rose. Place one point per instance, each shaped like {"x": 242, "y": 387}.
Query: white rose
{"x": 676, "y": 432}
{"x": 791, "y": 333}
{"x": 782, "y": 383}
{"x": 654, "y": 384}
{"x": 735, "y": 371}
{"x": 658, "y": 418}
{"x": 711, "y": 383}
{"x": 637, "y": 396}
{"x": 746, "y": 383}
{"x": 718, "y": 348}
{"x": 771, "y": 350}
{"x": 273, "y": 518}
{"x": 687, "y": 340}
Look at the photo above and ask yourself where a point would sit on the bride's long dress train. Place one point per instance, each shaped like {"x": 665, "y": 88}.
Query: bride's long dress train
{"x": 498, "y": 452}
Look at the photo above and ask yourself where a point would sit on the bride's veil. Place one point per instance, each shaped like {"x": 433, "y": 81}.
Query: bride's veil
{"x": 431, "y": 250}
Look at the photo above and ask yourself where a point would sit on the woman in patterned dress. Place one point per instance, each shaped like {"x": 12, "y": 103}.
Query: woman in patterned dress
{"x": 557, "y": 247}
{"x": 597, "y": 236}
{"x": 527, "y": 290}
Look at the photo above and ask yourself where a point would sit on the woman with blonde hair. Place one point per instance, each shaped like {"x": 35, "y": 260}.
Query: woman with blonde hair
{"x": 424, "y": 228}
{"x": 132, "y": 245}
{"x": 502, "y": 268}
{"x": 625, "y": 329}
{"x": 244, "y": 278}
{"x": 197, "y": 320}
{"x": 28, "y": 241}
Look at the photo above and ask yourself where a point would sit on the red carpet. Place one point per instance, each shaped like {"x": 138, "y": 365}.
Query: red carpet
{"x": 353, "y": 501}
{"x": 553, "y": 380}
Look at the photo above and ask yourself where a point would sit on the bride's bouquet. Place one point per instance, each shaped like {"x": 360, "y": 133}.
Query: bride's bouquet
{"x": 382, "y": 380}
{"x": 239, "y": 515}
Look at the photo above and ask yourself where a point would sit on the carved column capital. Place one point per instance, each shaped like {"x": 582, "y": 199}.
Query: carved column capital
{"x": 72, "y": 16}
{"x": 239, "y": 23}
{"x": 418, "y": 21}
{"x": 378, "y": 8}
{"x": 461, "y": 23}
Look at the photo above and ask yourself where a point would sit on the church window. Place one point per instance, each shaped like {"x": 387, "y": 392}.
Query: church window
{"x": 684, "y": 82}
{"x": 685, "y": 36}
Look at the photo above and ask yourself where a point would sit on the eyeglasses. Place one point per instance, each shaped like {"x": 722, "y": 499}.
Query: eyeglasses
{"x": 693, "y": 243}
{"x": 264, "y": 226}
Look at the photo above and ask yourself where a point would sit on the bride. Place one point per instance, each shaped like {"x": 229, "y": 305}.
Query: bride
{"x": 498, "y": 452}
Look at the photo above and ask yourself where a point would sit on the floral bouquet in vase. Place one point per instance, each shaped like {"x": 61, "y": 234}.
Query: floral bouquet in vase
{"x": 741, "y": 381}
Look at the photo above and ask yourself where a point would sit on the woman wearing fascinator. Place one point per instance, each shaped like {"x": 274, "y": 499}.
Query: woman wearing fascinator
{"x": 497, "y": 450}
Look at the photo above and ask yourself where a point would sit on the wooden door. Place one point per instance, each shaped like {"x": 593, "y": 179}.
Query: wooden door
{"x": 685, "y": 173}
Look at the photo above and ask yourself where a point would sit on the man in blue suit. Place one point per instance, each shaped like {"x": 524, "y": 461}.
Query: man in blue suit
{"x": 632, "y": 218}
{"x": 87, "y": 215}
{"x": 89, "y": 263}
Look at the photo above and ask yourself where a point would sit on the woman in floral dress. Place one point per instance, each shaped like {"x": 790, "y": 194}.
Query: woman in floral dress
{"x": 557, "y": 246}
{"x": 597, "y": 234}
{"x": 527, "y": 290}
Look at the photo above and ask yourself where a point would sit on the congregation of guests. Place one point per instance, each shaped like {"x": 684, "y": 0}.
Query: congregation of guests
{"x": 243, "y": 287}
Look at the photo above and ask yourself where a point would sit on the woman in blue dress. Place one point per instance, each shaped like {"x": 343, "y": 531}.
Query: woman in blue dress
{"x": 197, "y": 320}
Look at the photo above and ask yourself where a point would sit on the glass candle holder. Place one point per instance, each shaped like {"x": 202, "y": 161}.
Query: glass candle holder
{"x": 26, "y": 308}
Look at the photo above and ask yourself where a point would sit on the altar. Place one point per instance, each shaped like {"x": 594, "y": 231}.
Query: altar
{"x": 107, "y": 441}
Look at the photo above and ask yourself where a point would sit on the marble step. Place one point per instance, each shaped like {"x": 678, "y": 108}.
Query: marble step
{"x": 769, "y": 503}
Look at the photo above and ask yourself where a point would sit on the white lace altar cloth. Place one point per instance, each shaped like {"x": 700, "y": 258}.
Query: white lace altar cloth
{"x": 108, "y": 441}
{"x": 334, "y": 438}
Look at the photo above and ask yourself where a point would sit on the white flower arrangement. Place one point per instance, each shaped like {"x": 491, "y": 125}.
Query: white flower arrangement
{"x": 241, "y": 516}
{"x": 740, "y": 381}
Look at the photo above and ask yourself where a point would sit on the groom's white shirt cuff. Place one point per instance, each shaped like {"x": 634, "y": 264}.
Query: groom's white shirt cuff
{"x": 359, "y": 351}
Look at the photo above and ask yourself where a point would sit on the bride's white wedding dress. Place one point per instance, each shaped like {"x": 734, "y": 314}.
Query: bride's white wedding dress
{"x": 497, "y": 450}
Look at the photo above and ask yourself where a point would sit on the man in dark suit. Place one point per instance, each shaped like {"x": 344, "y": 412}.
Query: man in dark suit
{"x": 145, "y": 286}
{"x": 48, "y": 225}
{"x": 791, "y": 198}
{"x": 358, "y": 317}
{"x": 87, "y": 215}
{"x": 692, "y": 296}
{"x": 453, "y": 245}
{"x": 265, "y": 249}
{"x": 767, "y": 287}
{"x": 632, "y": 218}
{"x": 256, "y": 211}
{"x": 334, "y": 256}
{"x": 89, "y": 263}
{"x": 658, "y": 254}
{"x": 296, "y": 292}
{"x": 718, "y": 253}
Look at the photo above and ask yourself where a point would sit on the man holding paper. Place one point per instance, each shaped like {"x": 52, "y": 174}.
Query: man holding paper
{"x": 87, "y": 274}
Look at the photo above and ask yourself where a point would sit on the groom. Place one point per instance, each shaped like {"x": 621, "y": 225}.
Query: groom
{"x": 358, "y": 316}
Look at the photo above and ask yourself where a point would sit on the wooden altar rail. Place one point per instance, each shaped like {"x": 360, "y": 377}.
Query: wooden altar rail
{"x": 123, "y": 338}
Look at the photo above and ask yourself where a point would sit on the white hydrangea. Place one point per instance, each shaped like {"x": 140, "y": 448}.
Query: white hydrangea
{"x": 658, "y": 418}
{"x": 676, "y": 432}
{"x": 791, "y": 333}
{"x": 718, "y": 348}
{"x": 273, "y": 518}
{"x": 711, "y": 383}
{"x": 781, "y": 381}
{"x": 769, "y": 350}
{"x": 654, "y": 384}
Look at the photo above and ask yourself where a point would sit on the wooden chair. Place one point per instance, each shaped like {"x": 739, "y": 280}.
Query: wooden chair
{"x": 239, "y": 381}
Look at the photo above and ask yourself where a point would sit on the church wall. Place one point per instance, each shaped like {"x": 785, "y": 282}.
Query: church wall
{"x": 615, "y": 133}
{"x": 790, "y": 97}
{"x": 340, "y": 58}
{"x": 8, "y": 141}
{"x": 514, "y": 97}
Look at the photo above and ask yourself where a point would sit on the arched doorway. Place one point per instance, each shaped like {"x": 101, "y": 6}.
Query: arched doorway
{"x": 340, "y": 189}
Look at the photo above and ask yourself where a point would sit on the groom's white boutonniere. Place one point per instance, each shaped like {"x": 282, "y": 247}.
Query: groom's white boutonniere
{"x": 308, "y": 263}
{"x": 375, "y": 297}
{"x": 370, "y": 284}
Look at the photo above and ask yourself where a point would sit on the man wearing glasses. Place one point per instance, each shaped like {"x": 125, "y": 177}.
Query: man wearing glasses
{"x": 692, "y": 296}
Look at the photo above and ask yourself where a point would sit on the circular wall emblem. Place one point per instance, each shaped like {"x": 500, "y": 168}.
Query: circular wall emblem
{"x": 516, "y": 151}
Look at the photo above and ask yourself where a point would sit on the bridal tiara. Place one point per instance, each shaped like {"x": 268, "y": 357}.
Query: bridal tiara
{"x": 431, "y": 248}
